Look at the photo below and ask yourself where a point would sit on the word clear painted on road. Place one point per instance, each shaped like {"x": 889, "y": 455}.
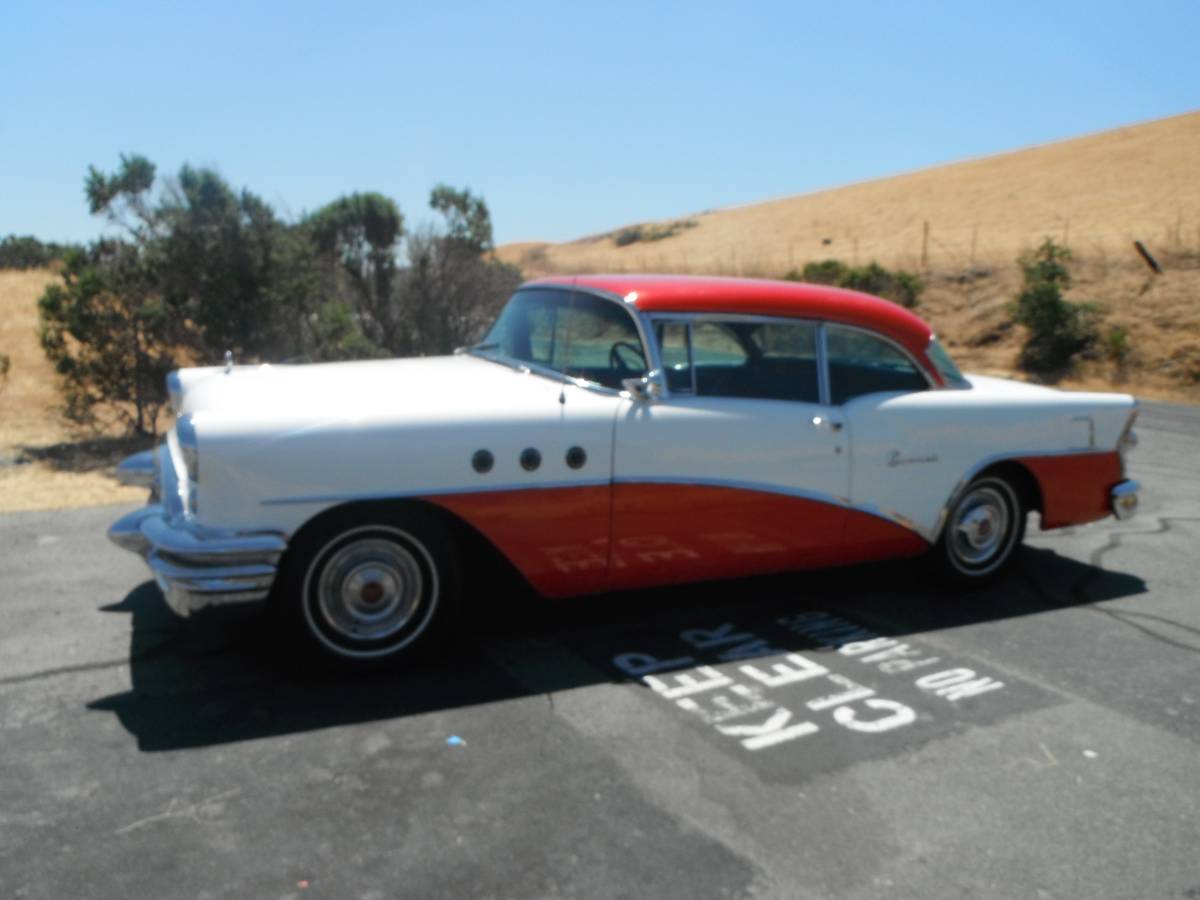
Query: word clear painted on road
{"x": 754, "y": 688}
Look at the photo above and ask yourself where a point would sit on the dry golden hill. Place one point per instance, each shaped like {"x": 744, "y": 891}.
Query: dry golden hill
{"x": 1096, "y": 193}
{"x": 962, "y": 226}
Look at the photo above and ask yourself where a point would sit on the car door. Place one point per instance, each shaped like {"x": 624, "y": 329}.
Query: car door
{"x": 899, "y": 468}
{"x": 739, "y": 468}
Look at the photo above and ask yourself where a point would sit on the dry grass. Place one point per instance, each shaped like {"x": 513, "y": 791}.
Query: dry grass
{"x": 1096, "y": 194}
{"x": 44, "y": 463}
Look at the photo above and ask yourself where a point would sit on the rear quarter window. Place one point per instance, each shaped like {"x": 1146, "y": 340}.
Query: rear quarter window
{"x": 861, "y": 363}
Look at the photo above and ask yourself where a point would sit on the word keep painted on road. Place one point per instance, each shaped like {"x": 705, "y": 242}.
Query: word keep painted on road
{"x": 783, "y": 696}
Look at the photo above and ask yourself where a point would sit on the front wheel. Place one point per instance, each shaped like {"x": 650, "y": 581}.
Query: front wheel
{"x": 368, "y": 591}
{"x": 985, "y": 526}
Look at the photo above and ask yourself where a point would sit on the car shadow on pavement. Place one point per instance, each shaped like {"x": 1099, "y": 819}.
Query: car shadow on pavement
{"x": 221, "y": 678}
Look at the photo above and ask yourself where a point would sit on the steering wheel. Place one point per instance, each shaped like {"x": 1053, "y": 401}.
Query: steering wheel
{"x": 615, "y": 360}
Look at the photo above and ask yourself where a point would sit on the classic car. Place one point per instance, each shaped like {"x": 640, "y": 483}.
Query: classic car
{"x": 608, "y": 432}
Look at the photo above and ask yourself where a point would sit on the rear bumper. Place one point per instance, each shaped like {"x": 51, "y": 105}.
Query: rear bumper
{"x": 1124, "y": 499}
{"x": 198, "y": 568}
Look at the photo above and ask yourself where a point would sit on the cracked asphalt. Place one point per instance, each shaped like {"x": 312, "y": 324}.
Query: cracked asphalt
{"x": 859, "y": 733}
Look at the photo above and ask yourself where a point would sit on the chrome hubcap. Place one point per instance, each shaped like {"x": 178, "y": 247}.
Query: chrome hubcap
{"x": 370, "y": 589}
{"x": 981, "y": 525}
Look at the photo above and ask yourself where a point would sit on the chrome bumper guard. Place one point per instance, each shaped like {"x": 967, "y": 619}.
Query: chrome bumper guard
{"x": 1124, "y": 499}
{"x": 195, "y": 567}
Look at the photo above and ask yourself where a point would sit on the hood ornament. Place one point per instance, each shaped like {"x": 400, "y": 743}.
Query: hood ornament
{"x": 228, "y": 361}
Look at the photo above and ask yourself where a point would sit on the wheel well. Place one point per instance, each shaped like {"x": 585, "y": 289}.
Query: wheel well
{"x": 1021, "y": 479}
{"x": 479, "y": 557}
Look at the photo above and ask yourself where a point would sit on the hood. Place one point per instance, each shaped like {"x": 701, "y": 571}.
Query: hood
{"x": 434, "y": 387}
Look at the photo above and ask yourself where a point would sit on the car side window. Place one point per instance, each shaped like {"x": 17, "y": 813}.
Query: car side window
{"x": 861, "y": 363}
{"x": 759, "y": 360}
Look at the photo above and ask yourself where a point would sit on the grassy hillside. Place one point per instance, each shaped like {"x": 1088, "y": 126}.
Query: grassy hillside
{"x": 1097, "y": 193}
{"x": 962, "y": 226}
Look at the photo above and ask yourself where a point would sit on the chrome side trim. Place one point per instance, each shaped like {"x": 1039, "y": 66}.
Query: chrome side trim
{"x": 734, "y": 484}
{"x": 137, "y": 470}
{"x": 440, "y": 492}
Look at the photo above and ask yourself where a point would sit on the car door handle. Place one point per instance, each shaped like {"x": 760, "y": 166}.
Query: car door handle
{"x": 834, "y": 424}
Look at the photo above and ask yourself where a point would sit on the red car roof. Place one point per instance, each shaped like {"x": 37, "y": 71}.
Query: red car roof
{"x": 753, "y": 296}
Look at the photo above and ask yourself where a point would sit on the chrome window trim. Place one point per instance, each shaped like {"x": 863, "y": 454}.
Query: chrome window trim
{"x": 652, "y": 322}
{"x": 823, "y": 388}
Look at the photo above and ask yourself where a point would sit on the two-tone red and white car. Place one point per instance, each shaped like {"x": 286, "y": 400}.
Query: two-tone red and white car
{"x": 609, "y": 432}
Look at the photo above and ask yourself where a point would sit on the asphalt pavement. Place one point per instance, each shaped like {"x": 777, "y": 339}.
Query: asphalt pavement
{"x": 857, "y": 733}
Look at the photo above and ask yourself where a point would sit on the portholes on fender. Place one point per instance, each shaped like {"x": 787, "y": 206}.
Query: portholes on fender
{"x": 530, "y": 459}
{"x": 576, "y": 458}
{"x": 483, "y": 461}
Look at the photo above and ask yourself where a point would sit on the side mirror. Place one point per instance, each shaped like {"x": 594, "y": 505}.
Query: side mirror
{"x": 647, "y": 389}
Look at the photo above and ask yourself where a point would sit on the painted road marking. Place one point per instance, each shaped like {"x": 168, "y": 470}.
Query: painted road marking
{"x": 750, "y": 687}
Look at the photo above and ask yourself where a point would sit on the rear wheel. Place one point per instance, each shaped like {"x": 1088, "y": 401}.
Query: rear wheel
{"x": 369, "y": 590}
{"x": 985, "y": 526}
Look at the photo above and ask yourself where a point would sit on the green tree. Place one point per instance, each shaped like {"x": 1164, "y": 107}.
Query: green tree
{"x": 453, "y": 288}
{"x": 222, "y": 259}
{"x": 357, "y": 237}
{"x": 468, "y": 220}
{"x": 109, "y": 335}
{"x": 1058, "y": 330}
{"x": 198, "y": 269}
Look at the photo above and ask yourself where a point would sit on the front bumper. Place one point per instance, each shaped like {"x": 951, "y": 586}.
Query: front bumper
{"x": 196, "y": 567}
{"x": 1124, "y": 499}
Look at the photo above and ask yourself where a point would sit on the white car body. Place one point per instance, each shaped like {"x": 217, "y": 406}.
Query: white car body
{"x": 675, "y": 485}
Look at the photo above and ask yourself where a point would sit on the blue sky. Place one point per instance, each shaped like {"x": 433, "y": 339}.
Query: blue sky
{"x": 568, "y": 118}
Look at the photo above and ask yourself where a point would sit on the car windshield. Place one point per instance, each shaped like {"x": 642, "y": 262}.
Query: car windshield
{"x": 945, "y": 365}
{"x": 571, "y": 333}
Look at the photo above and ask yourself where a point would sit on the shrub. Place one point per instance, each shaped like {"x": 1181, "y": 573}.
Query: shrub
{"x": 27, "y": 252}
{"x": 635, "y": 233}
{"x": 827, "y": 271}
{"x": 1058, "y": 329}
{"x": 898, "y": 286}
{"x": 1116, "y": 345}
